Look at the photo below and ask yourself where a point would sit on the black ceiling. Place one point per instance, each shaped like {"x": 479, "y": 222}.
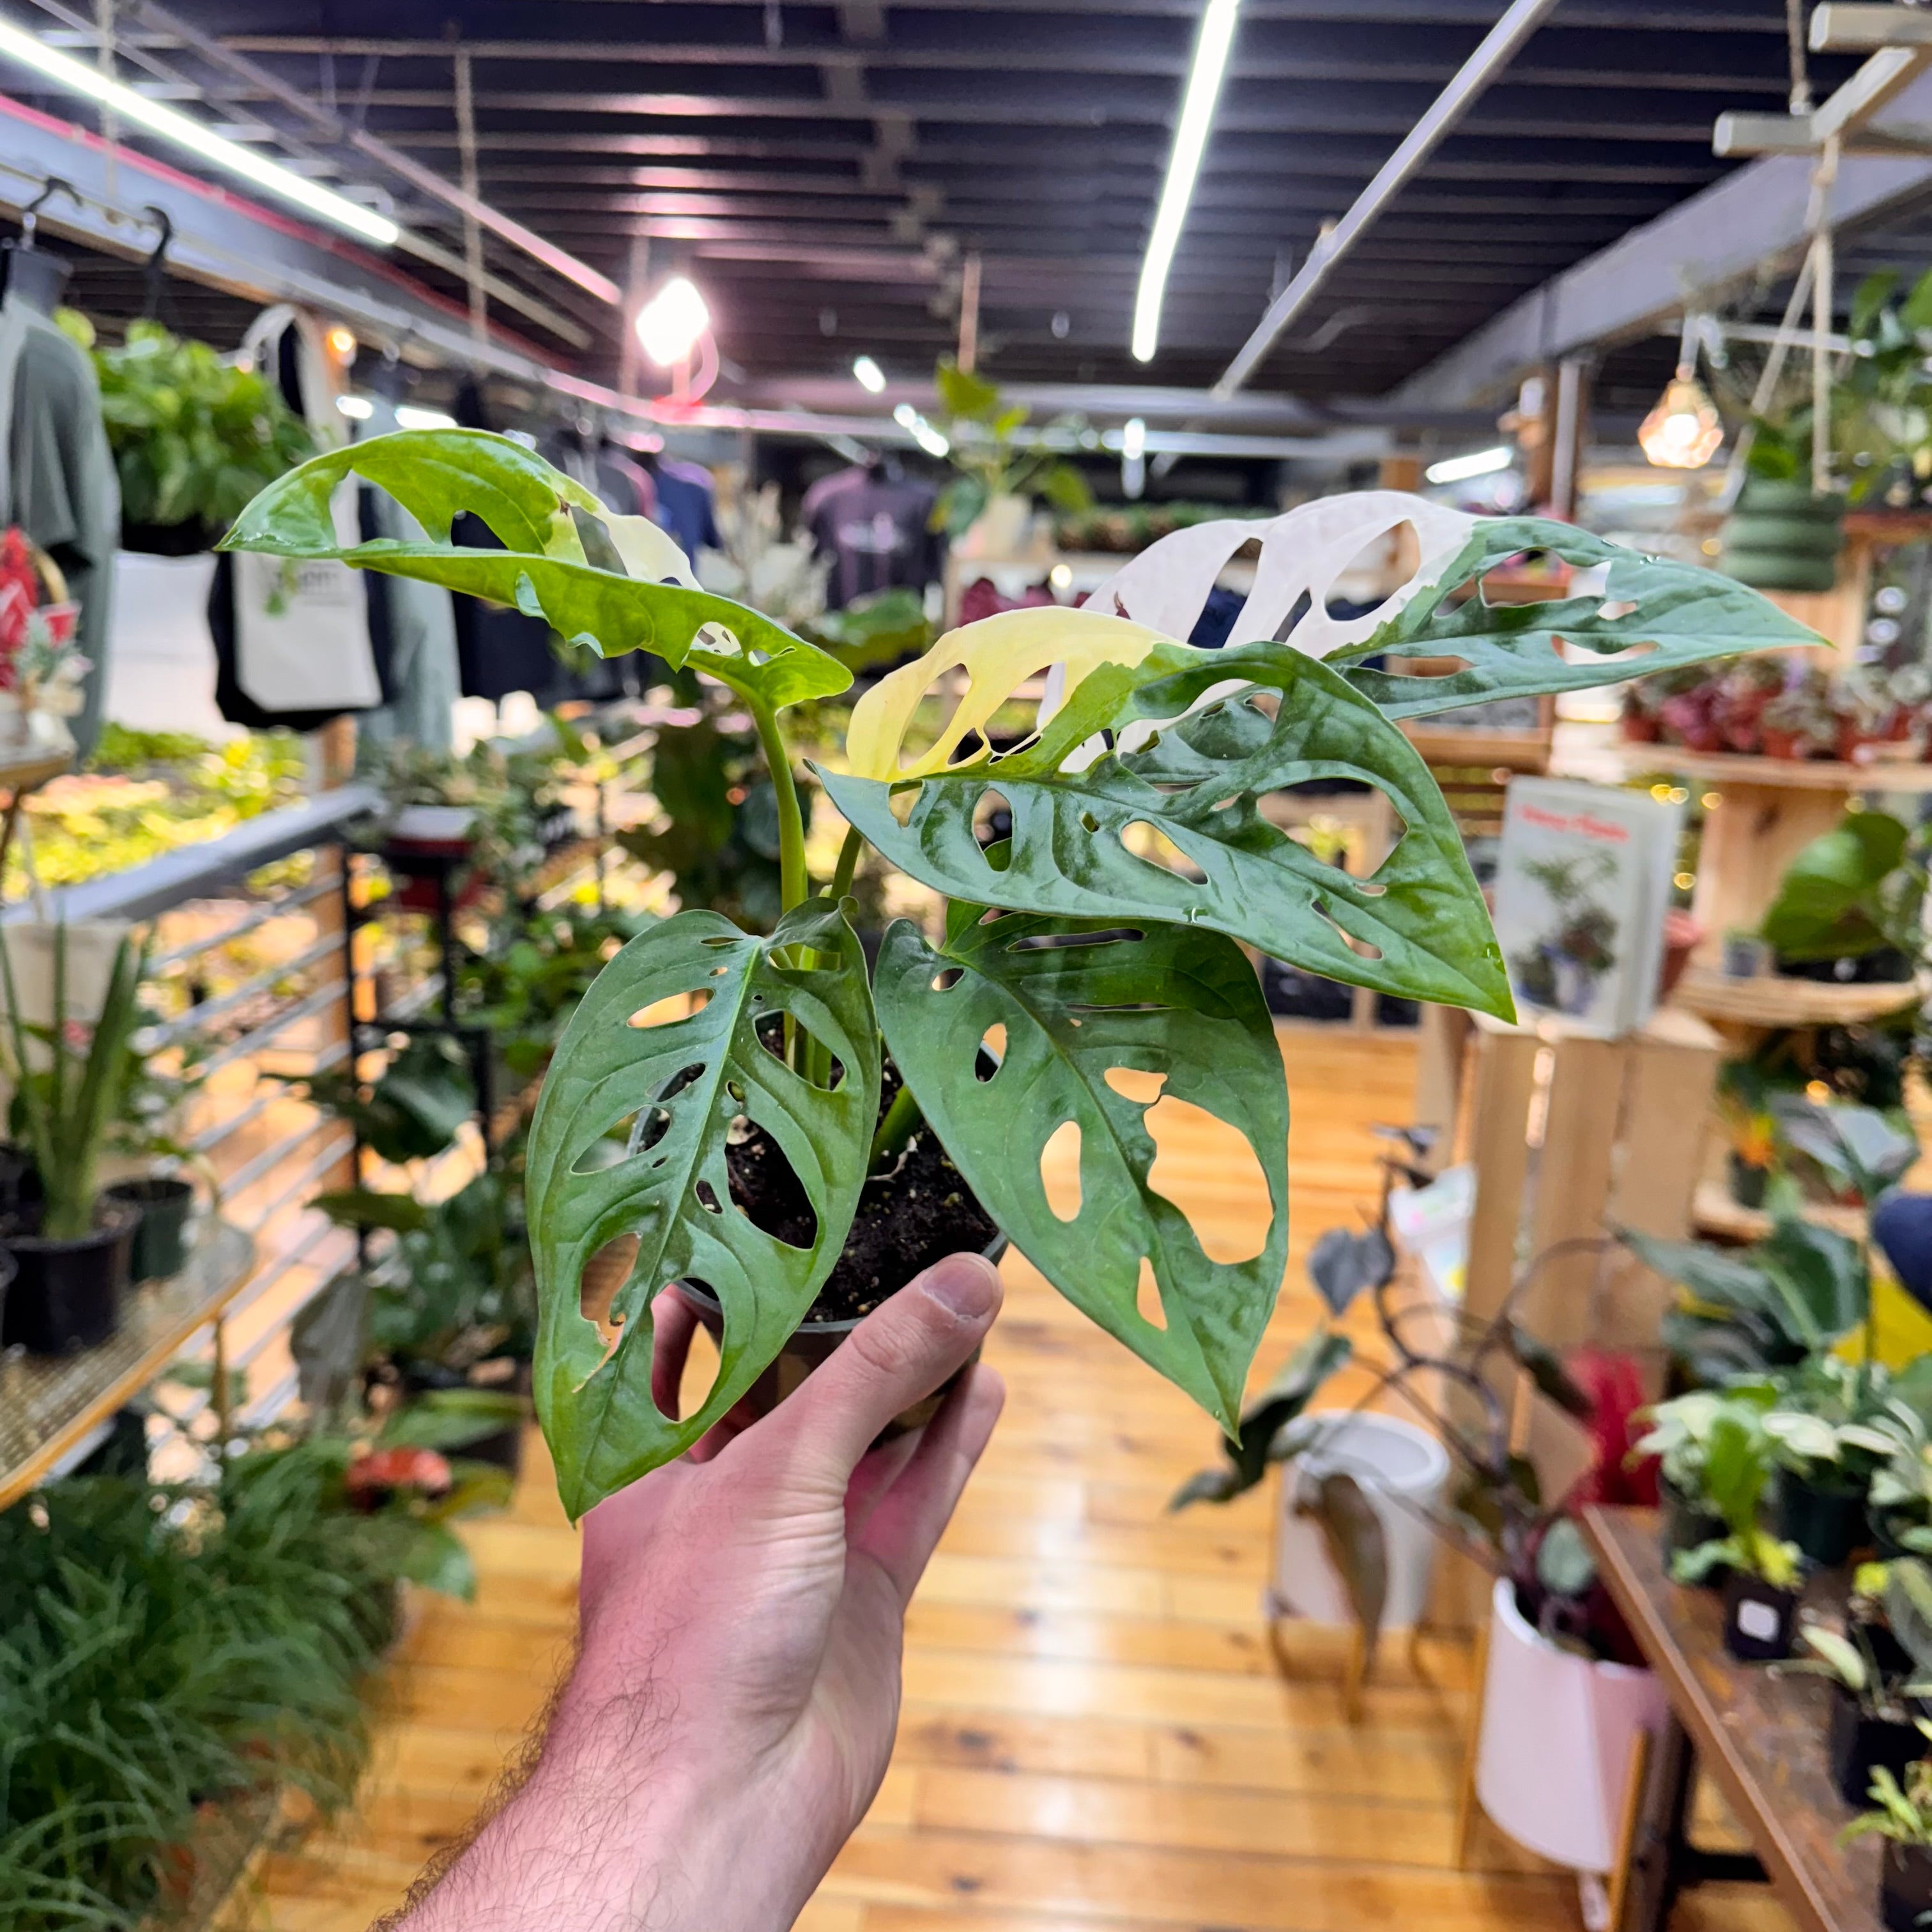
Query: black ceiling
{"x": 822, "y": 171}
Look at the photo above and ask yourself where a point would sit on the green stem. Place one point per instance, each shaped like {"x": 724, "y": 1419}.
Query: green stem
{"x": 847, "y": 865}
{"x": 904, "y": 1118}
{"x": 794, "y": 885}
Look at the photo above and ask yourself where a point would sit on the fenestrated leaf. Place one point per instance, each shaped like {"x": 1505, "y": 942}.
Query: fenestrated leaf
{"x": 1664, "y": 615}
{"x": 1343, "y": 1263}
{"x": 1080, "y": 1001}
{"x": 682, "y": 1083}
{"x": 596, "y": 578}
{"x": 1266, "y": 1434}
{"x": 1420, "y": 921}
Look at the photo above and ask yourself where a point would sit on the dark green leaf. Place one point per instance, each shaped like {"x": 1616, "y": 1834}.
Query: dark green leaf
{"x": 1342, "y": 1264}
{"x": 1080, "y": 1001}
{"x": 1858, "y": 1147}
{"x": 682, "y": 1083}
{"x": 972, "y": 396}
{"x": 1352, "y": 1534}
{"x": 1908, "y": 1607}
{"x": 1546, "y": 1370}
{"x": 1420, "y": 921}
{"x": 450, "y": 1419}
{"x": 1266, "y": 1435}
{"x": 434, "y": 1556}
{"x": 1682, "y": 615}
{"x": 366, "y": 1207}
{"x": 1827, "y": 905}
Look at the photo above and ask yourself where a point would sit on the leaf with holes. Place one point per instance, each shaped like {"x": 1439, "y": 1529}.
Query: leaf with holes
{"x": 1081, "y": 1002}
{"x": 1418, "y": 928}
{"x": 615, "y": 584}
{"x": 1664, "y": 615}
{"x": 680, "y": 1085}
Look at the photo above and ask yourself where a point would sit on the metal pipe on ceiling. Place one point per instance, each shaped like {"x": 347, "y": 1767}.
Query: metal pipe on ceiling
{"x": 1499, "y": 47}
{"x": 559, "y": 261}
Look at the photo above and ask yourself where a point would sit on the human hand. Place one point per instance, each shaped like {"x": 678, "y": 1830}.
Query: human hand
{"x": 736, "y": 1689}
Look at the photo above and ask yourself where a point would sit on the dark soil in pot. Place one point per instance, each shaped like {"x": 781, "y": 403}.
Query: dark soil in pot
{"x": 161, "y": 1238}
{"x": 1859, "y": 1744}
{"x": 1682, "y": 1526}
{"x": 67, "y": 1295}
{"x": 1826, "y": 1522}
{"x": 1758, "y": 1619}
{"x": 915, "y": 1215}
{"x": 1905, "y": 1886}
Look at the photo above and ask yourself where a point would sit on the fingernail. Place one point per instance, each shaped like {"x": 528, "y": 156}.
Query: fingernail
{"x": 966, "y": 1285}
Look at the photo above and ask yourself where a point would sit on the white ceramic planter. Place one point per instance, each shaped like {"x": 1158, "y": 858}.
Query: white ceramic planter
{"x": 1402, "y": 1470}
{"x": 1557, "y": 1734}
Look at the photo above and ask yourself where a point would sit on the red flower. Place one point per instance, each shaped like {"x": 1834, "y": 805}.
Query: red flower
{"x": 382, "y": 1471}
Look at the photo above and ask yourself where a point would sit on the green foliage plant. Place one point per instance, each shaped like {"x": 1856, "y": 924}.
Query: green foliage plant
{"x": 522, "y": 991}
{"x": 1738, "y": 1455}
{"x": 68, "y": 1081}
{"x": 1106, "y": 934}
{"x": 1902, "y": 1812}
{"x": 983, "y": 431}
{"x": 1855, "y": 890}
{"x": 193, "y": 436}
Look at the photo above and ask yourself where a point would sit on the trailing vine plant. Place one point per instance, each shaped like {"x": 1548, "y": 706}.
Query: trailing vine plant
{"x": 1105, "y": 934}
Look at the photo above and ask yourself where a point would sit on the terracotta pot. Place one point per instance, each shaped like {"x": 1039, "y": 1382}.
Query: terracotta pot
{"x": 1641, "y": 727}
{"x": 1854, "y": 741}
{"x": 1681, "y": 936}
{"x": 1787, "y": 745}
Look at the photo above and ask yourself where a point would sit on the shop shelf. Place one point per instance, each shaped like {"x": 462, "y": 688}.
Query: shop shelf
{"x": 47, "y": 1405}
{"x": 1717, "y": 1214}
{"x": 1785, "y": 774}
{"x": 1772, "y": 1002}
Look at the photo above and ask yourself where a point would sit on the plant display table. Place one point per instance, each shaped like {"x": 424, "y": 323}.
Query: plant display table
{"x": 1761, "y": 1734}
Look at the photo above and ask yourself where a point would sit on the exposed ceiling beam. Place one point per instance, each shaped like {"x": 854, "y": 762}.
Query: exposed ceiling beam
{"x": 1756, "y": 216}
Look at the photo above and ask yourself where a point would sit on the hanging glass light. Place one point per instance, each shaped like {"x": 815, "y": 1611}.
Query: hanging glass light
{"x": 1684, "y": 431}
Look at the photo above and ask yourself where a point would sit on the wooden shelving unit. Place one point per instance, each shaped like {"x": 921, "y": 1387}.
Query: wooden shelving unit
{"x": 1776, "y": 1003}
{"x": 48, "y": 1404}
{"x": 1732, "y": 768}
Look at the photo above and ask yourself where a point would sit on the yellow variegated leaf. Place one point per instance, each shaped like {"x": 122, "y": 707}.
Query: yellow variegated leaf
{"x": 648, "y": 552}
{"x": 998, "y": 654}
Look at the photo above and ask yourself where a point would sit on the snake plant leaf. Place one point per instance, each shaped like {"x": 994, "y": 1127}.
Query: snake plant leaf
{"x": 1082, "y": 1001}
{"x": 680, "y": 1085}
{"x": 1083, "y": 820}
{"x": 1651, "y": 615}
{"x": 615, "y": 583}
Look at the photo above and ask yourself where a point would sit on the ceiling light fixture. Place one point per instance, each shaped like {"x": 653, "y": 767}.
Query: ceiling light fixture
{"x": 156, "y": 117}
{"x": 1183, "y": 165}
{"x": 410, "y": 417}
{"x": 1684, "y": 431}
{"x": 357, "y": 408}
{"x": 1133, "y": 438}
{"x": 921, "y": 431}
{"x": 1460, "y": 469}
{"x": 670, "y": 324}
{"x": 871, "y": 377}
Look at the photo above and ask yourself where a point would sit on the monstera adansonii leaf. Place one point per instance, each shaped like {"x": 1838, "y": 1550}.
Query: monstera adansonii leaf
{"x": 615, "y": 583}
{"x": 1652, "y": 615}
{"x": 681, "y": 1084}
{"x": 1419, "y": 926}
{"x": 1080, "y": 1001}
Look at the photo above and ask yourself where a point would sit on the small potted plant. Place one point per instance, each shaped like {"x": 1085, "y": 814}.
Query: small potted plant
{"x": 1902, "y": 1815}
{"x": 987, "y": 505}
{"x": 1869, "y": 1726}
{"x": 764, "y": 1155}
{"x": 1761, "y": 1573}
{"x": 1679, "y": 1435}
{"x": 1799, "y": 721}
{"x": 1744, "y": 693}
{"x": 1825, "y": 1425}
{"x": 71, "y": 1252}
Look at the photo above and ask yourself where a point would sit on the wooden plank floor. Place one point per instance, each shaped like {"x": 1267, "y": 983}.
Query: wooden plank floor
{"x": 1094, "y": 1736}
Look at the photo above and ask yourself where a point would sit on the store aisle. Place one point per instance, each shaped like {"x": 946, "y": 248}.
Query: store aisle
{"x": 1094, "y": 1734}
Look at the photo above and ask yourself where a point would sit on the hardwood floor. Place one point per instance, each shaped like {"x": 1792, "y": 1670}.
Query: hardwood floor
{"x": 1095, "y": 1736}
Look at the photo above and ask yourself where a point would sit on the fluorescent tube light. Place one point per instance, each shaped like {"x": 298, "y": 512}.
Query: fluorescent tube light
{"x": 923, "y": 433}
{"x": 1460, "y": 469}
{"x": 357, "y": 408}
{"x": 871, "y": 377}
{"x": 408, "y": 417}
{"x": 198, "y": 139}
{"x": 1133, "y": 438}
{"x": 1183, "y": 165}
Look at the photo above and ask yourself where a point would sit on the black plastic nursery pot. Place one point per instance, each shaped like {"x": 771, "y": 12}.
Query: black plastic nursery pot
{"x": 1827, "y": 1522}
{"x": 66, "y": 1295}
{"x": 502, "y": 1448}
{"x": 1747, "y": 1182}
{"x": 1758, "y": 1619}
{"x": 20, "y": 1180}
{"x": 1858, "y": 1744}
{"x": 164, "y": 1204}
{"x": 1681, "y": 1524}
{"x": 1905, "y": 1886}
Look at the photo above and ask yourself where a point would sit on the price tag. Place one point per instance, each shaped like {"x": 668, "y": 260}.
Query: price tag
{"x": 1757, "y": 1621}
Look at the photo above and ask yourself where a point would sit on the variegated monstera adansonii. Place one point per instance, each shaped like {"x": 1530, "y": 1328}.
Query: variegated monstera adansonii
{"x": 1109, "y": 934}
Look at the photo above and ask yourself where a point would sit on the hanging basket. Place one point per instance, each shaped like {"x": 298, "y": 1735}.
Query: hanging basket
{"x": 1780, "y": 537}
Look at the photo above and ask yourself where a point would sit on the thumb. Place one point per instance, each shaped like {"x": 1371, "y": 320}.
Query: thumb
{"x": 904, "y": 1350}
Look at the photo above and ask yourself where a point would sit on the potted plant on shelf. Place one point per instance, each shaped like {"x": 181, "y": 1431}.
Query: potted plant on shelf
{"x": 1902, "y": 1815}
{"x": 757, "y": 1153}
{"x": 1826, "y": 1423}
{"x": 1780, "y": 535}
{"x": 1850, "y": 904}
{"x": 1799, "y": 722}
{"x": 194, "y": 438}
{"x": 1760, "y": 1570}
{"x": 1872, "y": 1674}
{"x": 1679, "y": 1435}
{"x": 71, "y": 1252}
{"x": 990, "y": 499}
